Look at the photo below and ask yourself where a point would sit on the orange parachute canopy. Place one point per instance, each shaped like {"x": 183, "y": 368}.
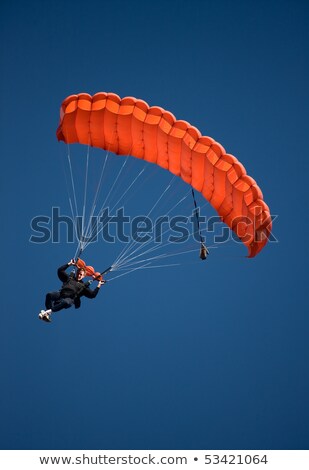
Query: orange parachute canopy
{"x": 129, "y": 126}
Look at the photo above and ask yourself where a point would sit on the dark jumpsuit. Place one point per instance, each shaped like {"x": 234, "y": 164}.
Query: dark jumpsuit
{"x": 70, "y": 292}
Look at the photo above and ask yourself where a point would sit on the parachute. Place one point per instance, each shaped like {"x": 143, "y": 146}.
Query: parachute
{"x": 129, "y": 126}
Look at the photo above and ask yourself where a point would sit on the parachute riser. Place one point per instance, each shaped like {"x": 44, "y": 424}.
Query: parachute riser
{"x": 203, "y": 250}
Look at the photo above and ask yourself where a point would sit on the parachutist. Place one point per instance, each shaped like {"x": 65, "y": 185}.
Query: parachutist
{"x": 73, "y": 288}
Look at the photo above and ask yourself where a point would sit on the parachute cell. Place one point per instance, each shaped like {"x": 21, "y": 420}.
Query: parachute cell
{"x": 129, "y": 126}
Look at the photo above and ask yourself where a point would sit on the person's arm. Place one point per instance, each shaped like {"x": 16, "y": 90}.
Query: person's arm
{"x": 91, "y": 294}
{"x": 63, "y": 276}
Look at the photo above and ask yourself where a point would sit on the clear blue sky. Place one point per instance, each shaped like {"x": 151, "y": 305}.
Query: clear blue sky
{"x": 192, "y": 357}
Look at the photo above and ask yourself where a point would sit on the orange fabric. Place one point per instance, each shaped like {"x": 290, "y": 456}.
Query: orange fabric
{"x": 130, "y": 126}
{"x": 89, "y": 270}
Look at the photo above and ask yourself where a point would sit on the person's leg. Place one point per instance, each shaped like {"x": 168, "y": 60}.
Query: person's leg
{"x": 56, "y": 303}
{"x": 61, "y": 304}
{"x": 51, "y": 297}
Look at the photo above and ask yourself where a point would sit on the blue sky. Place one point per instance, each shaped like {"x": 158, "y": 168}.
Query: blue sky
{"x": 191, "y": 357}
